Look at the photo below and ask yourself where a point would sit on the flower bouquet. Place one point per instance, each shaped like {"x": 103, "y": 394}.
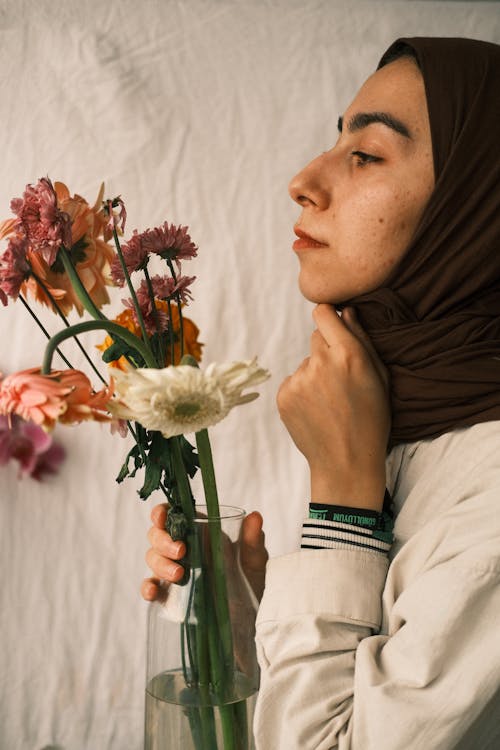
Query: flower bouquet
{"x": 59, "y": 254}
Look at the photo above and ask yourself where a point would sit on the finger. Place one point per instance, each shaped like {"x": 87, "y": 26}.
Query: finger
{"x": 330, "y": 326}
{"x": 164, "y": 568}
{"x": 318, "y": 343}
{"x": 252, "y": 534}
{"x": 253, "y": 552}
{"x": 159, "y": 515}
{"x": 162, "y": 542}
{"x": 150, "y": 589}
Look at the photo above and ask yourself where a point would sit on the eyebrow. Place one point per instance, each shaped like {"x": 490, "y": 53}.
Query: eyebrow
{"x": 363, "y": 119}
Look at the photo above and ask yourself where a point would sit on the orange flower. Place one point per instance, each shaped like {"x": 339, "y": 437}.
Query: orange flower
{"x": 191, "y": 331}
{"x": 82, "y": 402}
{"x": 63, "y": 396}
{"x": 91, "y": 255}
{"x": 7, "y": 227}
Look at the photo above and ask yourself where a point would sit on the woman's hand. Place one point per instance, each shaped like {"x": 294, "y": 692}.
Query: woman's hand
{"x": 336, "y": 409}
{"x": 164, "y": 553}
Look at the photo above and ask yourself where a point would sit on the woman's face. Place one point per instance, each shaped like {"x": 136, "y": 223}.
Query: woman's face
{"x": 362, "y": 200}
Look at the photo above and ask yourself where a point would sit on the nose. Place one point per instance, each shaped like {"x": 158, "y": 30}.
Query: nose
{"x": 307, "y": 188}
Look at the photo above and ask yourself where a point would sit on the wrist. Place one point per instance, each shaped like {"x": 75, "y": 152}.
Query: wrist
{"x": 362, "y": 493}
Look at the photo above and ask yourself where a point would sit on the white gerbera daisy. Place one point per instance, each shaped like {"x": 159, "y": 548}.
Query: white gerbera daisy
{"x": 183, "y": 399}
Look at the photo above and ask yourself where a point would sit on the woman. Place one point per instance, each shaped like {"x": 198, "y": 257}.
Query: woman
{"x": 368, "y": 639}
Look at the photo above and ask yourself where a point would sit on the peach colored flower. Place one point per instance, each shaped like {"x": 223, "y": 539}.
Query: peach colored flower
{"x": 91, "y": 254}
{"x": 64, "y": 395}
{"x": 82, "y": 402}
{"x": 191, "y": 332}
{"x": 7, "y": 227}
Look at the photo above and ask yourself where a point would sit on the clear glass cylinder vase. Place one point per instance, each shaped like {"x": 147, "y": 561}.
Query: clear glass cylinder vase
{"x": 202, "y": 671}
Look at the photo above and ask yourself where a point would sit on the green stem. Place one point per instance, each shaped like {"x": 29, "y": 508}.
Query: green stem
{"x": 80, "y": 291}
{"x": 130, "y": 287}
{"x": 223, "y": 667}
{"x": 156, "y": 317}
{"x": 44, "y": 330}
{"x": 93, "y": 325}
{"x": 240, "y": 710}
{"x": 179, "y": 305}
{"x": 171, "y": 332}
{"x": 200, "y": 668}
{"x": 182, "y": 480}
{"x": 67, "y": 324}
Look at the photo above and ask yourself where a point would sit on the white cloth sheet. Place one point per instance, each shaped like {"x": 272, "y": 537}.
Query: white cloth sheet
{"x": 198, "y": 112}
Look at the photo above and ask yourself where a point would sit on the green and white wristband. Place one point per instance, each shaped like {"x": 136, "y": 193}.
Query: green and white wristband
{"x": 342, "y": 527}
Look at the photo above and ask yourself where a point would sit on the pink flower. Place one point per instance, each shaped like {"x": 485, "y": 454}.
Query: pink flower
{"x": 170, "y": 242}
{"x": 44, "y": 224}
{"x": 151, "y": 321}
{"x": 37, "y": 453}
{"x": 115, "y": 220}
{"x": 14, "y": 267}
{"x": 65, "y": 396}
{"x": 164, "y": 288}
{"x": 135, "y": 255}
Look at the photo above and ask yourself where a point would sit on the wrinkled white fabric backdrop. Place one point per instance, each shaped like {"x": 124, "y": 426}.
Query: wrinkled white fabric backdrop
{"x": 199, "y": 112}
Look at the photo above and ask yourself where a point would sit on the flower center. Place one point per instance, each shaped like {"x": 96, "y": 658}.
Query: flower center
{"x": 185, "y": 409}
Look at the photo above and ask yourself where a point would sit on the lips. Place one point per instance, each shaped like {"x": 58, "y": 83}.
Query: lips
{"x": 305, "y": 240}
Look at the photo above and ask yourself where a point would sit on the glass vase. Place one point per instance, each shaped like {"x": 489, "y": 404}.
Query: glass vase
{"x": 202, "y": 671}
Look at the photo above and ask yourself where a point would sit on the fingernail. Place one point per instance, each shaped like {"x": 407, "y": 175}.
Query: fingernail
{"x": 173, "y": 571}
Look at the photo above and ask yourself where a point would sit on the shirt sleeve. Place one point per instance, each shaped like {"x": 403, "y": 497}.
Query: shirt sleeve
{"x": 331, "y": 679}
{"x": 323, "y": 534}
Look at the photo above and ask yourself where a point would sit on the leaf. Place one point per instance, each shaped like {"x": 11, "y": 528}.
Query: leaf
{"x": 120, "y": 348}
{"x": 134, "y": 454}
{"x": 157, "y": 465}
{"x": 189, "y": 456}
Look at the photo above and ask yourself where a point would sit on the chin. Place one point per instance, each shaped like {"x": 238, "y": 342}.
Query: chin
{"x": 314, "y": 293}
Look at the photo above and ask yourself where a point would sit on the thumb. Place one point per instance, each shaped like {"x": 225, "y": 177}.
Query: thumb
{"x": 253, "y": 553}
{"x": 252, "y": 535}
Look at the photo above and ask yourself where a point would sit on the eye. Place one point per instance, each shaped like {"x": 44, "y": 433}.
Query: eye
{"x": 362, "y": 158}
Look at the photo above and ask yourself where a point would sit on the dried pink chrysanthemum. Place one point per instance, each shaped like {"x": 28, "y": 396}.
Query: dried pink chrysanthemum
{"x": 117, "y": 219}
{"x": 14, "y": 267}
{"x": 46, "y": 227}
{"x": 135, "y": 255}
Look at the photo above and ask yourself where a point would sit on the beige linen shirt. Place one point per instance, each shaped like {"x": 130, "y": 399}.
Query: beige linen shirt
{"x": 361, "y": 652}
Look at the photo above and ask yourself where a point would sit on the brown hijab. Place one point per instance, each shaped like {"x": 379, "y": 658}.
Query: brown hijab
{"x": 436, "y": 322}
